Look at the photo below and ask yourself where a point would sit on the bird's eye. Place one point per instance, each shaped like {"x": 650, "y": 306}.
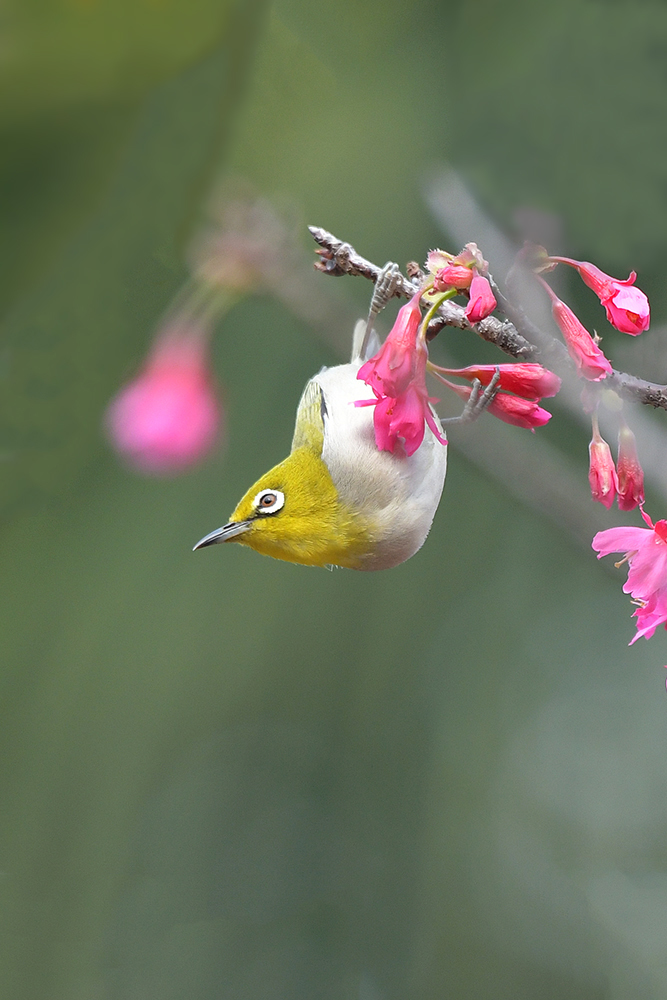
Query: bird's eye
{"x": 269, "y": 501}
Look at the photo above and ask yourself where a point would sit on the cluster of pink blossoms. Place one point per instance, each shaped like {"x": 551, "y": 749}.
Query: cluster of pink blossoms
{"x": 627, "y": 310}
{"x": 623, "y": 481}
{"x": 466, "y": 272}
{"x": 397, "y": 373}
{"x": 397, "y": 376}
{"x": 169, "y": 417}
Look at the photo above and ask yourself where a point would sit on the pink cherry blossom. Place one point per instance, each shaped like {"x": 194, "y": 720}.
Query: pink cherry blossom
{"x": 531, "y": 381}
{"x": 169, "y": 416}
{"x": 630, "y": 473}
{"x": 513, "y": 410}
{"x": 482, "y": 300}
{"x": 628, "y": 310}
{"x": 587, "y": 356}
{"x": 646, "y": 555}
{"x": 627, "y": 307}
{"x": 403, "y": 419}
{"x": 602, "y": 471}
{"x": 519, "y": 412}
{"x": 391, "y": 370}
{"x": 397, "y": 376}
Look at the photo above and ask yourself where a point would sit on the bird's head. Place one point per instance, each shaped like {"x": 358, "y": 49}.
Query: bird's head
{"x": 294, "y": 513}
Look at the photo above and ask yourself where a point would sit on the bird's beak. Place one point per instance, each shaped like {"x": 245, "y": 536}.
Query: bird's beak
{"x": 224, "y": 534}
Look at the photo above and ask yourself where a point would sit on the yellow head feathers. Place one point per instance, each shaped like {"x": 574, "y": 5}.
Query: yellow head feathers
{"x": 336, "y": 499}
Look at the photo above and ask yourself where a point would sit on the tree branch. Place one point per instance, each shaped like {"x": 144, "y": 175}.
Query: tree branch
{"x": 516, "y": 335}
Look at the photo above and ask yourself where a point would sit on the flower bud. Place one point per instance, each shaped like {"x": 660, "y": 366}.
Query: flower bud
{"x": 482, "y": 300}
{"x": 513, "y": 410}
{"x": 630, "y": 473}
{"x": 531, "y": 381}
{"x": 602, "y": 472}
{"x": 452, "y": 276}
{"x": 587, "y": 356}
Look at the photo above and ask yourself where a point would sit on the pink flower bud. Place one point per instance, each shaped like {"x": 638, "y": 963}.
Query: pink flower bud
{"x": 405, "y": 418}
{"x": 627, "y": 308}
{"x": 452, "y": 276}
{"x": 513, "y": 410}
{"x": 602, "y": 472}
{"x": 482, "y": 300}
{"x": 519, "y": 412}
{"x": 437, "y": 259}
{"x": 528, "y": 380}
{"x": 587, "y": 356}
{"x": 630, "y": 473}
{"x": 169, "y": 416}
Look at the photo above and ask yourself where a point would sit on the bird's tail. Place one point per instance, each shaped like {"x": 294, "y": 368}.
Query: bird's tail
{"x": 364, "y": 346}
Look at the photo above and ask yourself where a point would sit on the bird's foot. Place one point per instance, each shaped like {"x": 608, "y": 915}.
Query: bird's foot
{"x": 476, "y": 403}
{"x": 386, "y": 285}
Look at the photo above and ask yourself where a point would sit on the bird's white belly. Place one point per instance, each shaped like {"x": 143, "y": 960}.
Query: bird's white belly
{"x": 398, "y": 494}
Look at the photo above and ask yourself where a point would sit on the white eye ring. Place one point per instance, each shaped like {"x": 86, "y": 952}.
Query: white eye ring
{"x": 269, "y": 501}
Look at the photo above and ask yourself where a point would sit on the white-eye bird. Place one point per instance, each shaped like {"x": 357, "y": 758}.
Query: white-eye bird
{"x": 337, "y": 500}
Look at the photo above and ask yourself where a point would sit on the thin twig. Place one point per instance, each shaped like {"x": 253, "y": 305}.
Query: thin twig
{"x": 516, "y": 336}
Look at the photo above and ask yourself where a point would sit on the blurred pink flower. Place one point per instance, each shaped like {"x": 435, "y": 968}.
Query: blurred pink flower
{"x": 587, "y": 356}
{"x": 169, "y": 416}
{"x": 627, "y": 308}
{"x": 482, "y": 300}
{"x": 397, "y": 376}
{"x": 646, "y": 555}
{"x": 602, "y": 471}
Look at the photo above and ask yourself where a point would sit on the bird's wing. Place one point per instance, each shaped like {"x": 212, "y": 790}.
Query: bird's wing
{"x": 309, "y": 427}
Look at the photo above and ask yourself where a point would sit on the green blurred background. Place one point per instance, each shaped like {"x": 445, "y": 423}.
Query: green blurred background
{"x": 228, "y": 777}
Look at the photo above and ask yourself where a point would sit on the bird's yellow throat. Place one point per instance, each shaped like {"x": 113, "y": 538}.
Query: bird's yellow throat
{"x": 313, "y": 528}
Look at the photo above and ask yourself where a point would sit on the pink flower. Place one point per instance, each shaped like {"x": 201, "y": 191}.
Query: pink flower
{"x": 403, "y": 417}
{"x": 528, "y": 380}
{"x": 646, "y": 555}
{"x": 630, "y": 473}
{"x": 627, "y": 308}
{"x": 587, "y": 356}
{"x": 469, "y": 257}
{"x": 519, "y": 412}
{"x": 391, "y": 370}
{"x": 452, "y": 276}
{"x": 169, "y": 416}
{"x": 514, "y": 410}
{"x": 602, "y": 471}
{"x": 397, "y": 376}
{"x": 482, "y": 300}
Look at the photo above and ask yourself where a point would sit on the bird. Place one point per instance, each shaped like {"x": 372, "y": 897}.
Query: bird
{"x": 337, "y": 500}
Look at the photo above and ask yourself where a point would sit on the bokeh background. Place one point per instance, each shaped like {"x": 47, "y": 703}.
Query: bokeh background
{"x": 228, "y": 777}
